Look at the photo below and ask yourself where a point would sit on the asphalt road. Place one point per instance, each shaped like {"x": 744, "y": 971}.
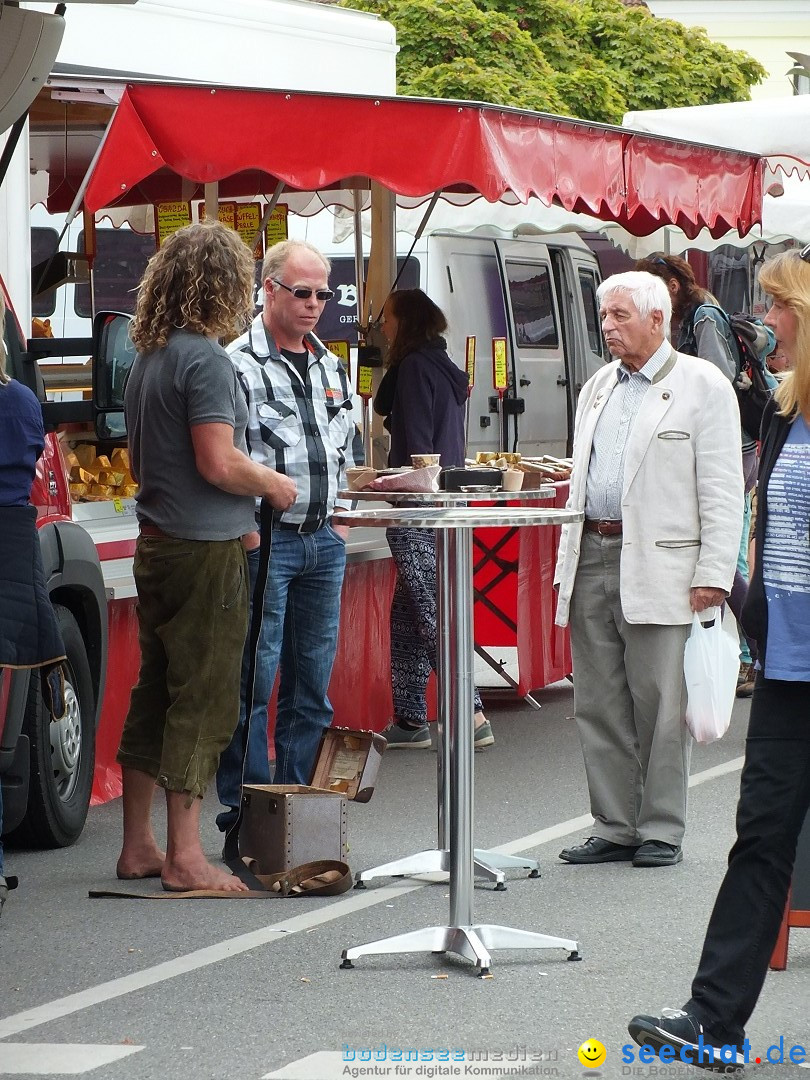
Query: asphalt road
{"x": 215, "y": 989}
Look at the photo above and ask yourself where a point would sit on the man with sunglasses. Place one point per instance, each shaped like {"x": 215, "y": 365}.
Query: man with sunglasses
{"x": 300, "y": 424}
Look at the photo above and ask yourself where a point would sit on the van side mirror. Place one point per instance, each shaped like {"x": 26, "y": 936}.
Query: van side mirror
{"x": 113, "y": 355}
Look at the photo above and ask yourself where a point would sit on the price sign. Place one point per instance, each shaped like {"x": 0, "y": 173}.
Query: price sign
{"x": 364, "y": 380}
{"x": 276, "y": 228}
{"x": 226, "y": 213}
{"x": 500, "y": 374}
{"x": 248, "y": 220}
{"x": 169, "y": 217}
{"x": 470, "y": 358}
{"x": 341, "y": 350}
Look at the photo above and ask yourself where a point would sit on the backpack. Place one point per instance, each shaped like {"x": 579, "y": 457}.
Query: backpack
{"x": 752, "y": 342}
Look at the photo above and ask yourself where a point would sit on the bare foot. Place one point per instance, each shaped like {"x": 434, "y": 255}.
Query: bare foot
{"x": 140, "y": 862}
{"x": 187, "y": 874}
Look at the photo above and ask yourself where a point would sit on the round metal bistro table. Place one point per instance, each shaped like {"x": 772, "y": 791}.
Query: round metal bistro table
{"x": 487, "y": 864}
{"x": 461, "y": 935}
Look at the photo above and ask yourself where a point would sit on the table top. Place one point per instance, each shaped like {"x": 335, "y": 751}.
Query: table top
{"x": 449, "y": 497}
{"x": 466, "y": 517}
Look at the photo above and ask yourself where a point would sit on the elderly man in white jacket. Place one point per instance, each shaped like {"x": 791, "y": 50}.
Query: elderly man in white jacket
{"x": 658, "y": 474}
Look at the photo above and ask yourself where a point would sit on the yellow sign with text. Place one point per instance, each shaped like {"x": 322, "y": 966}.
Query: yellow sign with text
{"x": 341, "y": 350}
{"x": 470, "y": 358}
{"x": 226, "y": 213}
{"x": 169, "y": 217}
{"x": 365, "y": 376}
{"x": 248, "y": 220}
{"x": 500, "y": 372}
{"x": 276, "y": 229}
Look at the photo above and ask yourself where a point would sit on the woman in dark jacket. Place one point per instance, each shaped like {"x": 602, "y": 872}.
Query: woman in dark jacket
{"x": 29, "y": 634}
{"x": 775, "y": 783}
{"x": 423, "y": 396}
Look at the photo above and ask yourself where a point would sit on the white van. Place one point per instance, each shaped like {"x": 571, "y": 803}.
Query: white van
{"x": 536, "y": 292}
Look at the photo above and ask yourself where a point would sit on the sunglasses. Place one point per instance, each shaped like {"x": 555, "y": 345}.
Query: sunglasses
{"x": 805, "y": 253}
{"x": 304, "y": 294}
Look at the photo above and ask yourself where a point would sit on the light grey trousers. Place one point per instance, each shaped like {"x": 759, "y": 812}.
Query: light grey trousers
{"x": 629, "y": 700}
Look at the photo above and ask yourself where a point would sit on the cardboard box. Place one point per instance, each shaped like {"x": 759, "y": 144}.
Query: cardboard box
{"x": 287, "y": 825}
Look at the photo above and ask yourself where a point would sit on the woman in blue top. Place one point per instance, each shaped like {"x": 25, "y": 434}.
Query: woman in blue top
{"x": 29, "y": 635}
{"x": 423, "y": 396}
{"x": 775, "y": 783}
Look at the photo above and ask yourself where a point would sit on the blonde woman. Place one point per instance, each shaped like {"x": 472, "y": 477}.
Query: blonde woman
{"x": 186, "y": 419}
{"x": 775, "y": 783}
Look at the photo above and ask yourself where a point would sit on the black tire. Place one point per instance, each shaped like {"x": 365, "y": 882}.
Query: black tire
{"x": 62, "y": 751}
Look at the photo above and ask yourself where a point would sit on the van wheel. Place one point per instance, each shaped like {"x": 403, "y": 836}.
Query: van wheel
{"x": 62, "y": 751}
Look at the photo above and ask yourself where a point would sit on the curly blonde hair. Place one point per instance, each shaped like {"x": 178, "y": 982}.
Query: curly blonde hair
{"x": 201, "y": 280}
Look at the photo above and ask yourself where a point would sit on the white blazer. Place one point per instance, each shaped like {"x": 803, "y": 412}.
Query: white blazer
{"x": 682, "y": 499}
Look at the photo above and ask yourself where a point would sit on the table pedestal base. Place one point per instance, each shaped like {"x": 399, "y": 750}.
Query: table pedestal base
{"x": 487, "y": 864}
{"x": 472, "y": 942}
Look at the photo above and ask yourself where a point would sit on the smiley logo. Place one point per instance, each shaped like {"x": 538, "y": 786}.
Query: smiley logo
{"x": 592, "y": 1054}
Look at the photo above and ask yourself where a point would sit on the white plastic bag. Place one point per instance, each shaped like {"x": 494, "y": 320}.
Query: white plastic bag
{"x": 711, "y": 662}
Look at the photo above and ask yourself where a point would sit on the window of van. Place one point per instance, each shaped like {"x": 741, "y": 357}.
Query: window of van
{"x": 44, "y": 243}
{"x": 587, "y": 287}
{"x": 121, "y": 258}
{"x": 532, "y": 305}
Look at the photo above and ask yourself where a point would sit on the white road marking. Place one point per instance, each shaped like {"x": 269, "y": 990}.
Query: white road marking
{"x": 716, "y": 770}
{"x": 58, "y": 1059}
{"x": 331, "y": 1065}
{"x": 270, "y": 935}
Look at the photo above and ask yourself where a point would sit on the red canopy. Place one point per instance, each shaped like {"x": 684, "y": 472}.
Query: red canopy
{"x": 166, "y": 141}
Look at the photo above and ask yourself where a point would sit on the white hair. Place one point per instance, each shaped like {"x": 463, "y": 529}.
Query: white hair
{"x": 648, "y": 292}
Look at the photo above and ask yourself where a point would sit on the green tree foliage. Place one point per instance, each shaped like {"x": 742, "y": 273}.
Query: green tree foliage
{"x": 593, "y": 59}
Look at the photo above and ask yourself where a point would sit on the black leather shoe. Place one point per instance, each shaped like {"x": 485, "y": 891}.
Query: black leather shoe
{"x": 6, "y": 885}
{"x": 230, "y": 849}
{"x": 597, "y": 850}
{"x": 657, "y": 853}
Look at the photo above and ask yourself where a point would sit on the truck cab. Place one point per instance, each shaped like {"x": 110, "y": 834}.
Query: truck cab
{"x": 46, "y": 766}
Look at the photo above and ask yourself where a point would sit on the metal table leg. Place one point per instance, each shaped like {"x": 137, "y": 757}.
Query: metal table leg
{"x": 461, "y": 936}
{"x": 427, "y": 862}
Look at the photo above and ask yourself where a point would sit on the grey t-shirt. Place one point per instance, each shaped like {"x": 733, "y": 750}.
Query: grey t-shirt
{"x": 190, "y": 381}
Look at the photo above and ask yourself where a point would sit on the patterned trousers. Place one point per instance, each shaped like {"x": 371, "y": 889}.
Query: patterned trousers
{"x": 413, "y": 622}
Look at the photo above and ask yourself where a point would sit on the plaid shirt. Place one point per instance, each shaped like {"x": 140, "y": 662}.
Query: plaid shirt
{"x": 305, "y": 431}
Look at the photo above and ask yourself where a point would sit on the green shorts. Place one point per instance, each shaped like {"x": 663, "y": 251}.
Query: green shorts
{"x": 192, "y": 620}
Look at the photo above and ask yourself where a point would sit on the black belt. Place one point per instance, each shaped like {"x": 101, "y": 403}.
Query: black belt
{"x": 604, "y": 528}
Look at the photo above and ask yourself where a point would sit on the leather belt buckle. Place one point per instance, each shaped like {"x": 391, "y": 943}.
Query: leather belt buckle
{"x": 604, "y": 527}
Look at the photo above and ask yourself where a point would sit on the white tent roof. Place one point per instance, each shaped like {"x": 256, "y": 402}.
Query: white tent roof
{"x": 773, "y": 127}
{"x": 778, "y": 128}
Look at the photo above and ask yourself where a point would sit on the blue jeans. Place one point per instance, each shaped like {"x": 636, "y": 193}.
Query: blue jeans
{"x": 299, "y": 632}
